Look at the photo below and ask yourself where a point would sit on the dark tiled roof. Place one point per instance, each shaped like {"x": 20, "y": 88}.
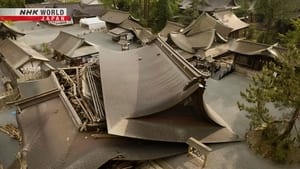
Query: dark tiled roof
{"x": 66, "y": 43}
{"x": 17, "y": 53}
{"x": 115, "y": 16}
{"x": 206, "y": 22}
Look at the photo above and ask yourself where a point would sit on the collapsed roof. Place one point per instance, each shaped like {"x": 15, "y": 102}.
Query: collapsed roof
{"x": 228, "y": 18}
{"x": 47, "y": 126}
{"x": 122, "y": 20}
{"x": 210, "y": 5}
{"x": 206, "y": 22}
{"x": 200, "y": 34}
{"x": 246, "y": 47}
{"x": 153, "y": 103}
{"x": 202, "y": 40}
{"x": 155, "y": 80}
{"x": 170, "y": 27}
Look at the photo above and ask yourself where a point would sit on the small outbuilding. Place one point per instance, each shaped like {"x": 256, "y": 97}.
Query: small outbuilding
{"x": 20, "y": 61}
{"x": 93, "y": 24}
{"x": 73, "y": 50}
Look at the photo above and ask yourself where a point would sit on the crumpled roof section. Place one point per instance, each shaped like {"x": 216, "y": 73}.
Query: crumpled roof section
{"x": 251, "y": 48}
{"x": 202, "y": 40}
{"x": 170, "y": 27}
{"x": 47, "y": 127}
{"x": 206, "y": 22}
{"x": 229, "y": 19}
{"x": 143, "y": 90}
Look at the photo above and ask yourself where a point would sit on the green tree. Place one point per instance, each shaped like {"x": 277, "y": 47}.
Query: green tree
{"x": 151, "y": 13}
{"x": 274, "y": 16}
{"x": 279, "y": 85}
{"x": 11, "y": 3}
{"x": 292, "y": 36}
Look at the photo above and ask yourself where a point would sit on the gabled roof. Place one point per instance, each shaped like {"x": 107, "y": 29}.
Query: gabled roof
{"x": 206, "y": 22}
{"x": 130, "y": 24}
{"x": 115, "y": 16}
{"x": 252, "y": 48}
{"x": 66, "y": 43}
{"x": 228, "y": 18}
{"x": 18, "y": 53}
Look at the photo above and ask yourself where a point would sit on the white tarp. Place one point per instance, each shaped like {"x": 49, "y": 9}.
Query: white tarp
{"x": 93, "y": 23}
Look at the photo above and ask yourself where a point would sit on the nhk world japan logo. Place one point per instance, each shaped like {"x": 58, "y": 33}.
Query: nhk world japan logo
{"x": 34, "y": 14}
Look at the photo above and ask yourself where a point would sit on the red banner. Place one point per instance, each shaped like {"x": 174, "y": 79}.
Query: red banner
{"x": 35, "y": 18}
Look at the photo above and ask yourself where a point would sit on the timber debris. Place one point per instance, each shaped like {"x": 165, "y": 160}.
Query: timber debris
{"x": 12, "y": 132}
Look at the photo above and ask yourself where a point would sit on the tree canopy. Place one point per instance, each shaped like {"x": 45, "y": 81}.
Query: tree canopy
{"x": 11, "y": 3}
{"x": 278, "y": 86}
{"x": 151, "y": 13}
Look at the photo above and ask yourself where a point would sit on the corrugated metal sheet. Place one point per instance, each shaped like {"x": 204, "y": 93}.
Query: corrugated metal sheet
{"x": 18, "y": 53}
{"x": 115, "y": 16}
